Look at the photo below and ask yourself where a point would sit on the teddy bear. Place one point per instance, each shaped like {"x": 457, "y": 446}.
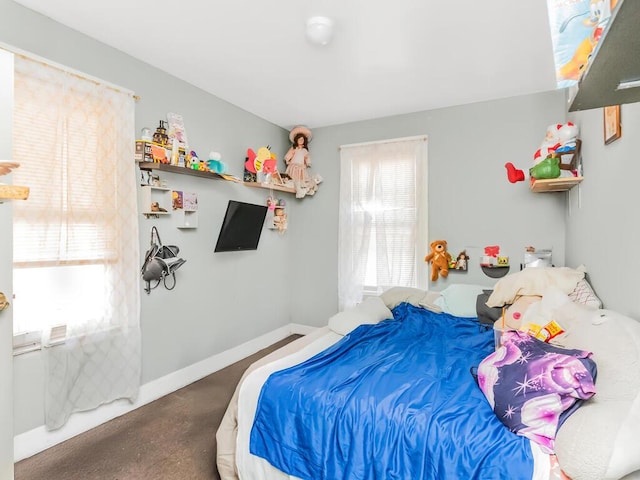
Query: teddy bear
{"x": 439, "y": 258}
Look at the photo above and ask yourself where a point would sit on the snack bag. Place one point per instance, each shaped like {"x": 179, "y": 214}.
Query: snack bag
{"x": 545, "y": 333}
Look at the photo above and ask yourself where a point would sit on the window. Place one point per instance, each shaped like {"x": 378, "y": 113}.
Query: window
{"x": 76, "y": 247}
{"x": 382, "y": 217}
{"x": 67, "y": 133}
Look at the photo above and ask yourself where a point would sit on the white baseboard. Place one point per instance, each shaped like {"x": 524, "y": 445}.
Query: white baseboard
{"x": 38, "y": 439}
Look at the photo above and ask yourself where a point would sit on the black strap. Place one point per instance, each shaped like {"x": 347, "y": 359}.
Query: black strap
{"x": 154, "y": 231}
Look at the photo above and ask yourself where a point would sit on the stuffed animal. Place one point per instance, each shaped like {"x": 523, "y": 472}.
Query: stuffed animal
{"x": 439, "y": 258}
{"x": 559, "y": 138}
{"x": 549, "y": 144}
{"x": 547, "y": 168}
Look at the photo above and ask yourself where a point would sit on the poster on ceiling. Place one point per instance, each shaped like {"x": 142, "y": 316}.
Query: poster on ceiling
{"x": 576, "y": 28}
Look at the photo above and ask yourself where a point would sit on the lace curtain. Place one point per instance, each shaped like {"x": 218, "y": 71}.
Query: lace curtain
{"x": 382, "y": 217}
{"x": 76, "y": 248}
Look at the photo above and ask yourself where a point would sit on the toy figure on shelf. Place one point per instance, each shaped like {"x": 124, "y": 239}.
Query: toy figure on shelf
{"x": 297, "y": 158}
{"x": 298, "y": 162}
{"x": 547, "y": 168}
{"x": 280, "y": 219}
{"x": 276, "y": 214}
{"x": 160, "y": 136}
{"x": 461, "y": 260}
{"x": 216, "y": 164}
{"x": 560, "y": 139}
{"x": 263, "y": 166}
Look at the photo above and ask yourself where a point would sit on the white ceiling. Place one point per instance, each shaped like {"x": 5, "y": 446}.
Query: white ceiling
{"x": 385, "y": 58}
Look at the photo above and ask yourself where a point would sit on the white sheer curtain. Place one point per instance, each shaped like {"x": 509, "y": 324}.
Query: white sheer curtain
{"x": 382, "y": 217}
{"x": 76, "y": 248}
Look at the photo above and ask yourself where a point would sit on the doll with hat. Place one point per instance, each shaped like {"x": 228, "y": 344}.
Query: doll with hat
{"x": 297, "y": 158}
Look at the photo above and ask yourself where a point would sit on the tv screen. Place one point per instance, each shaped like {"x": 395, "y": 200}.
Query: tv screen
{"x": 241, "y": 227}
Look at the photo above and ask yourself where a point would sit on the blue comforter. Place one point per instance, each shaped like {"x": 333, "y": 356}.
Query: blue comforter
{"x": 395, "y": 400}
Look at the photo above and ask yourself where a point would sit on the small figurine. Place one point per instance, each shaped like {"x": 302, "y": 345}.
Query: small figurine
{"x": 160, "y": 136}
{"x": 461, "y": 260}
{"x": 297, "y": 158}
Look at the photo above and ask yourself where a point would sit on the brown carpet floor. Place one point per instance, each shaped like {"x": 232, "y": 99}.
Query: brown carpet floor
{"x": 172, "y": 438}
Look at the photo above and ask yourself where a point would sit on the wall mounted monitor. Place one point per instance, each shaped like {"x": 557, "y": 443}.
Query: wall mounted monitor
{"x": 241, "y": 227}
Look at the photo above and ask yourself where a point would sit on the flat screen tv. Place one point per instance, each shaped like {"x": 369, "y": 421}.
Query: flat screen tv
{"x": 241, "y": 227}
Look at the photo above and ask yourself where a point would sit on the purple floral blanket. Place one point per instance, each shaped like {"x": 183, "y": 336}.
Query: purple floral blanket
{"x": 534, "y": 386}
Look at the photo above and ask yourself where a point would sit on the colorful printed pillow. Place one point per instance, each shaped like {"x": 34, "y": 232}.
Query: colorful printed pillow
{"x": 534, "y": 386}
{"x": 584, "y": 294}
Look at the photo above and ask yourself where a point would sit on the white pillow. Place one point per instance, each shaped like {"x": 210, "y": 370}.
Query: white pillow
{"x": 430, "y": 302}
{"x": 459, "y": 299}
{"x": 371, "y": 311}
{"x": 415, "y": 296}
{"x": 584, "y": 294}
{"x": 599, "y": 441}
{"x": 533, "y": 281}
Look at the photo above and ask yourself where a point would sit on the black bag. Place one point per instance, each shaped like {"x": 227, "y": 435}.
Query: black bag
{"x": 160, "y": 262}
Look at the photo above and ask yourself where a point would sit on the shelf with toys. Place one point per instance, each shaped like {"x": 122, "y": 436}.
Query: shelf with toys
{"x": 270, "y": 186}
{"x": 556, "y": 165}
{"x": 165, "y": 167}
{"x": 168, "y": 152}
{"x": 561, "y": 184}
{"x": 11, "y": 192}
{"x": 156, "y": 200}
{"x": 569, "y": 159}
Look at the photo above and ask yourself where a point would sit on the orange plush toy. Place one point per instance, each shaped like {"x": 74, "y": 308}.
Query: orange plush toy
{"x": 439, "y": 258}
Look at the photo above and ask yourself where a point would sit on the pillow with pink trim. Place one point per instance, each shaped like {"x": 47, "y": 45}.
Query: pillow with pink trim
{"x": 534, "y": 386}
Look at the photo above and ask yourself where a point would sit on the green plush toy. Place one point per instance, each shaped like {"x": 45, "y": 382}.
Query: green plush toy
{"x": 547, "y": 168}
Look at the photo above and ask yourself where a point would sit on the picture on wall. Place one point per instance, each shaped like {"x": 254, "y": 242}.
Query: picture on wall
{"x": 612, "y": 130}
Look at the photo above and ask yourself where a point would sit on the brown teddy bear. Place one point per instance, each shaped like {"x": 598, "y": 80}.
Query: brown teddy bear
{"x": 439, "y": 258}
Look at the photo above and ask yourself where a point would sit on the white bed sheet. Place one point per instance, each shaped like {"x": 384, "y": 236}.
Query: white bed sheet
{"x": 251, "y": 467}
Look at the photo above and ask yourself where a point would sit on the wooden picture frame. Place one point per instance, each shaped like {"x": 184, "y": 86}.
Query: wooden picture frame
{"x": 612, "y": 130}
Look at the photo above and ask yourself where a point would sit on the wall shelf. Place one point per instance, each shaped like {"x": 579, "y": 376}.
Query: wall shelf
{"x": 560, "y": 184}
{"x": 164, "y": 167}
{"x": 495, "y": 271}
{"x": 186, "y": 218}
{"x": 13, "y": 192}
{"x": 152, "y": 194}
{"x": 269, "y": 186}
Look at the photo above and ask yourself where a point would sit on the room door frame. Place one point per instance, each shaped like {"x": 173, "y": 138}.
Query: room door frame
{"x": 6, "y": 272}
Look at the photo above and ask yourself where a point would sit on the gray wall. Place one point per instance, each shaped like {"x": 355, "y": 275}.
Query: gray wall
{"x": 6, "y": 259}
{"x": 603, "y": 230}
{"x": 223, "y": 300}
{"x": 471, "y": 203}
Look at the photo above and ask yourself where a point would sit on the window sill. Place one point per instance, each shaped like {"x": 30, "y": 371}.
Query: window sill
{"x": 31, "y": 341}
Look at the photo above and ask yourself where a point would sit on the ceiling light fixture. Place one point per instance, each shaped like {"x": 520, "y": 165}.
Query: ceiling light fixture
{"x": 319, "y": 30}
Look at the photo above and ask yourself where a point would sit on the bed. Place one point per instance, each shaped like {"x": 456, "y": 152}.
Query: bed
{"x": 403, "y": 398}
